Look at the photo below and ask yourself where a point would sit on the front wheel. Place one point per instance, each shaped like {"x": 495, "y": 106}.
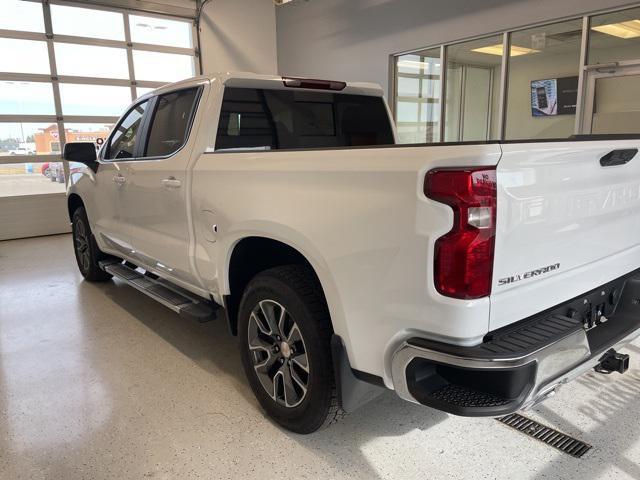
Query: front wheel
{"x": 87, "y": 252}
{"x": 285, "y": 333}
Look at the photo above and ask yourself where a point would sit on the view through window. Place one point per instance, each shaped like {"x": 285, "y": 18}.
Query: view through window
{"x": 418, "y": 104}
{"x": 579, "y": 76}
{"x": 70, "y": 79}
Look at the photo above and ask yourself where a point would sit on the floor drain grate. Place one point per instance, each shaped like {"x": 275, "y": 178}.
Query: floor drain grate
{"x": 556, "y": 439}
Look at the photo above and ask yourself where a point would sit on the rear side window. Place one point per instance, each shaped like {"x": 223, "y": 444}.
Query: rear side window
{"x": 170, "y": 124}
{"x": 254, "y": 119}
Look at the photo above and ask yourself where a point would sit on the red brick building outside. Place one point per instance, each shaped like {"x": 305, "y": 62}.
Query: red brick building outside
{"x": 48, "y": 141}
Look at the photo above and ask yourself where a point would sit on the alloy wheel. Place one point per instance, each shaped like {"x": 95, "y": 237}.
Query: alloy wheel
{"x": 82, "y": 244}
{"x": 278, "y": 353}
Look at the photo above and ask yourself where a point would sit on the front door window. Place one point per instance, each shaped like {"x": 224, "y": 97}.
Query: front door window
{"x": 122, "y": 144}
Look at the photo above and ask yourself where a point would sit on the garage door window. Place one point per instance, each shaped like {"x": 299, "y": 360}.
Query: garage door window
{"x": 73, "y": 69}
{"x": 104, "y": 100}
{"x": 21, "y": 16}
{"x": 84, "y": 22}
{"x": 28, "y": 178}
{"x": 153, "y": 66}
{"x": 26, "y": 98}
{"x": 161, "y": 31}
{"x": 23, "y": 56}
{"x": 102, "y": 62}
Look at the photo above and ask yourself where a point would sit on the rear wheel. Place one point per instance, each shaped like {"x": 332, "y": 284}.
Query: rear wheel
{"x": 285, "y": 333}
{"x": 87, "y": 252}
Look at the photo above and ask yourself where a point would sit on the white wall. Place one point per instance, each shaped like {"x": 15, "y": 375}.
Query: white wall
{"x": 352, "y": 39}
{"x": 239, "y": 35}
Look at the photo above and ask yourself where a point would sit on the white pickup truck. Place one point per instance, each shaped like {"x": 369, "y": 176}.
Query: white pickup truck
{"x": 475, "y": 278}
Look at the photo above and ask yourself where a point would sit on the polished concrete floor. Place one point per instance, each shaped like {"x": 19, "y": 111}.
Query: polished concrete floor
{"x": 98, "y": 381}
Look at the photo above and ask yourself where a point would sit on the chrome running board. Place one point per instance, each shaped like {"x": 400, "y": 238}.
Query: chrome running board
{"x": 162, "y": 291}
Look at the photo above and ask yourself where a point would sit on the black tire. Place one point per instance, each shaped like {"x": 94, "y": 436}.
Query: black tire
{"x": 84, "y": 245}
{"x": 296, "y": 289}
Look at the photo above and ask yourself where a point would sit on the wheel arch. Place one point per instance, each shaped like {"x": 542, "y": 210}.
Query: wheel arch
{"x": 253, "y": 254}
{"x": 74, "y": 201}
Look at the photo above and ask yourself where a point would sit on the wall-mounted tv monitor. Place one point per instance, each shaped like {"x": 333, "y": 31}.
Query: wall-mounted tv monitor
{"x": 554, "y": 96}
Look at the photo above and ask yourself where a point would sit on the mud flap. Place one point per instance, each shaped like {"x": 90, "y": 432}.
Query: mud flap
{"x": 352, "y": 392}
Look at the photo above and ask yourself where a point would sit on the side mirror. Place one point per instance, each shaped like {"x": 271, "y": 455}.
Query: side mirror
{"x": 81, "y": 152}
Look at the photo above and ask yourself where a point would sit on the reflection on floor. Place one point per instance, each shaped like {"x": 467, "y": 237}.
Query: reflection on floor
{"x": 98, "y": 381}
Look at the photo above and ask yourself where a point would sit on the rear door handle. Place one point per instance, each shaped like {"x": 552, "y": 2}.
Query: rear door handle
{"x": 171, "y": 182}
{"x": 618, "y": 157}
{"x": 119, "y": 179}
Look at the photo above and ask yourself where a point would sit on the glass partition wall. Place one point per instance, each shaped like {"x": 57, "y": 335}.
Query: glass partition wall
{"x": 473, "y": 84}
{"x": 612, "y": 90}
{"x": 67, "y": 72}
{"x": 418, "y": 78}
{"x": 542, "y": 84}
{"x": 579, "y": 76}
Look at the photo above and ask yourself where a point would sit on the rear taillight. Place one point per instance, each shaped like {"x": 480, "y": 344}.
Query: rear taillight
{"x": 463, "y": 266}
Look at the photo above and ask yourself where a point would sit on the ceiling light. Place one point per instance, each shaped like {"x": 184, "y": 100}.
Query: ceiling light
{"x": 151, "y": 27}
{"x": 630, "y": 29}
{"x": 417, "y": 64}
{"x": 497, "y": 50}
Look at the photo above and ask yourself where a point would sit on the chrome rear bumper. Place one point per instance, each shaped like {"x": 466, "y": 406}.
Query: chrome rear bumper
{"x": 556, "y": 365}
{"x": 521, "y": 366}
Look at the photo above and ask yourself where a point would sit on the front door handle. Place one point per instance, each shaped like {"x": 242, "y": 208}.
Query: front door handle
{"x": 618, "y": 157}
{"x": 119, "y": 179}
{"x": 171, "y": 182}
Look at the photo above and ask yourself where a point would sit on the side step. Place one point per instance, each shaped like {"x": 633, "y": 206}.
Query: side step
{"x": 171, "y": 296}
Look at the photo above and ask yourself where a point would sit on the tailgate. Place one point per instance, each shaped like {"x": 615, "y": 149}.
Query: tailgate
{"x": 566, "y": 224}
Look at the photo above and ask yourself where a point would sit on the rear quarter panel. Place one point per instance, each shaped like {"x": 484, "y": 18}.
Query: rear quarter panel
{"x": 361, "y": 219}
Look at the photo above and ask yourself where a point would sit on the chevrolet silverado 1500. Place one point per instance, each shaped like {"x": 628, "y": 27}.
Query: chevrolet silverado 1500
{"x": 475, "y": 278}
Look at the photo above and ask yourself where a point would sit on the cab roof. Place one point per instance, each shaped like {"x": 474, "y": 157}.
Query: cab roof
{"x": 276, "y": 82}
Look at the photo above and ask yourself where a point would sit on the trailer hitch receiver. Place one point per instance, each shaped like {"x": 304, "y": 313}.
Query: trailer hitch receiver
{"x": 613, "y": 361}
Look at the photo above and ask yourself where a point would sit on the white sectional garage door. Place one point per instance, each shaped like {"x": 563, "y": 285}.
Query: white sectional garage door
{"x": 67, "y": 71}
